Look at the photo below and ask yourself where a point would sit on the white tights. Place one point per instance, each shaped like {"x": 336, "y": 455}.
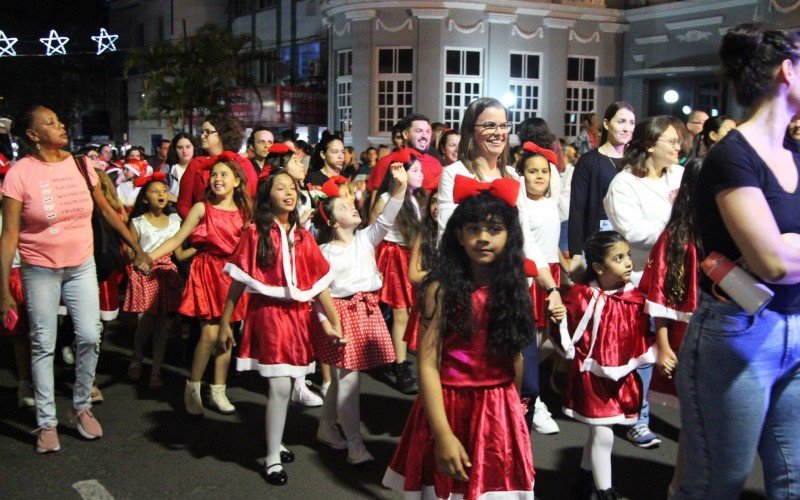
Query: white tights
{"x": 280, "y": 389}
{"x": 597, "y": 455}
{"x": 158, "y": 325}
{"x": 342, "y": 401}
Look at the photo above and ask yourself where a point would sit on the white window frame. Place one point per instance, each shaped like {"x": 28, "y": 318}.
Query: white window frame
{"x": 344, "y": 96}
{"x": 396, "y": 81}
{"x": 573, "y": 127}
{"x": 469, "y": 87}
{"x": 517, "y": 86}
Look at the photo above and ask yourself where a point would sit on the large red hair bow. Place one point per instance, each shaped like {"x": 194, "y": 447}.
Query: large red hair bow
{"x": 506, "y": 189}
{"x": 222, "y": 157}
{"x": 331, "y": 186}
{"x": 157, "y": 176}
{"x": 549, "y": 155}
{"x": 402, "y": 155}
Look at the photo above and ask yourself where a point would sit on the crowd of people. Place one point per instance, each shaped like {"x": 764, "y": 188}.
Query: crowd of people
{"x": 453, "y": 245}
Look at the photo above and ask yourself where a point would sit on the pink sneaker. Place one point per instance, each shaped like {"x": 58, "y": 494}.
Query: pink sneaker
{"x": 88, "y": 426}
{"x": 47, "y": 440}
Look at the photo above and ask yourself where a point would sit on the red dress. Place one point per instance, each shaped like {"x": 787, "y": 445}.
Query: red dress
{"x": 215, "y": 239}
{"x": 195, "y": 181}
{"x": 484, "y": 411}
{"x": 393, "y": 261}
{"x": 605, "y": 339}
{"x": 653, "y": 285}
{"x": 276, "y": 340}
{"x": 539, "y": 296}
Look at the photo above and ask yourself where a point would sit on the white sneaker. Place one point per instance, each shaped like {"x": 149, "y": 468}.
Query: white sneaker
{"x": 67, "y": 355}
{"x": 357, "y": 453}
{"x": 328, "y": 433}
{"x": 302, "y": 395}
{"x": 543, "y": 422}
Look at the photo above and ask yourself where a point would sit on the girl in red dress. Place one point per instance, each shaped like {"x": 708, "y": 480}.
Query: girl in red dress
{"x": 154, "y": 296}
{"x": 670, "y": 281}
{"x": 354, "y": 289}
{"x": 605, "y": 339}
{"x": 393, "y": 256}
{"x": 280, "y": 266}
{"x": 466, "y": 435}
{"x": 214, "y": 227}
{"x": 423, "y": 256}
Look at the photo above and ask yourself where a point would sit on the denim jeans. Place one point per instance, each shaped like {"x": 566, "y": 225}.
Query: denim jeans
{"x": 77, "y": 287}
{"x": 646, "y": 374}
{"x": 530, "y": 378}
{"x": 739, "y": 386}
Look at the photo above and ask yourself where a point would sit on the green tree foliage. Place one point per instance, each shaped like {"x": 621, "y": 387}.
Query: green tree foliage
{"x": 192, "y": 76}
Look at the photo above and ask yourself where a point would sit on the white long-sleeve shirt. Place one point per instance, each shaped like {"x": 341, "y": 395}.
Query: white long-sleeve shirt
{"x": 447, "y": 207}
{"x": 639, "y": 209}
{"x": 545, "y": 226}
{"x": 353, "y": 266}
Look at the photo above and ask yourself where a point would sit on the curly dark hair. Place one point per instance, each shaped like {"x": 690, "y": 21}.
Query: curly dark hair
{"x": 595, "y": 249}
{"x": 682, "y": 230}
{"x": 140, "y": 206}
{"x": 750, "y": 55}
{"x": 429, "y": 233}
{"x": 229, "y": 130}
{"x": 241, "y": 196}
{"x": 511, "y": 324}
{"x": 407, "y": 222}
{"x": 263, "y": 217}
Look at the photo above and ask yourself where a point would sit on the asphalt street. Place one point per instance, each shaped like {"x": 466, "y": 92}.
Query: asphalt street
{"x": 151, "y": 449}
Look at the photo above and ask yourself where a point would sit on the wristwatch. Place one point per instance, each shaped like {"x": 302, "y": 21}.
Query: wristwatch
{"x": 551, "y": 290}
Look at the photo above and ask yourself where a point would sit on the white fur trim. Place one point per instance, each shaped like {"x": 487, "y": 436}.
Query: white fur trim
{"x": 617, "y": 372}
{"x": 396, "y": 482}
{"x": 289, "y": 292}
{"x": 656, "y": 310}
{"x": 617, "y": 419}
{"x": 246, "y": 364}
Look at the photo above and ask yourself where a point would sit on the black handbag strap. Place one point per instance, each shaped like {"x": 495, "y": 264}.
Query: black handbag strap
{"x": 80, "y": 162}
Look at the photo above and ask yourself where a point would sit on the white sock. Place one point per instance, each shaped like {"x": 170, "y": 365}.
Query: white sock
{"x": 347, "y": 402}
{"x": 602, "y": 442}
{"x": 280, "y": 389}
{"x": 329, "y": 413}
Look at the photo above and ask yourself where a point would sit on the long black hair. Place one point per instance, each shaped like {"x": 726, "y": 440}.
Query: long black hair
{"x": 140, "y": 206}
{"x": 510, "y": 312}
{"x": 263, "y": 217}
{"x": 429, "y": 234}
{"x": 595, "y": 249}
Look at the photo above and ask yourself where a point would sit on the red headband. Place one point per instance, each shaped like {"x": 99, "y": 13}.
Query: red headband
{"x": 506, "y": 189}
{"x": 220, "y": 158}
{"x": 548, "y": 154}
{"x": 157, "y": 176}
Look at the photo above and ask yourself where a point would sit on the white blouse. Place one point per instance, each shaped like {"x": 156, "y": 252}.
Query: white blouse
{"x": 545, "y": 226}
{"x": 393, "y": 235}
{"x": 150, "y": 236}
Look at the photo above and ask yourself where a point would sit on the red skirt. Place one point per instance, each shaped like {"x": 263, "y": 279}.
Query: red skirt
{"x": 22, "y": 327}
{"x": 599, "y": 400}
{"x": 276, "y": 340}
{"x": 412, "y": 328}
{"x": 539, "y": 297}
{"x": 393, "y": 260}
{"x": 156, "y": 293}
{"x": 490, "y": 425}
{"x": 206, "y": 289}
{"x": 369, "y": 341}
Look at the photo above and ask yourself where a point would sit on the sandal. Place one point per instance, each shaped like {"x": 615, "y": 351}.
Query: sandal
{"x": 155, "y": 381}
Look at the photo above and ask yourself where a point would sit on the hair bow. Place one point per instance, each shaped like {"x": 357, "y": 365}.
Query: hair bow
{"x": 222, "y": 157}
{"x": 549, "y": 155}
{"x": 279, "y": 148}
{"x": 157, "y": 176}
{"x": 506, "y": 189}
{"x": 331, "y": 186}
{"x": 402, "y": 155}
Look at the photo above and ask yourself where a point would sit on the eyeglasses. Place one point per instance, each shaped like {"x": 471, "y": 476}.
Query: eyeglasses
{"x": 671, "y": 142}
{"x": 492, "y": 126}
{"x": 208, "y": 132}
{"x": 93, "y": 157}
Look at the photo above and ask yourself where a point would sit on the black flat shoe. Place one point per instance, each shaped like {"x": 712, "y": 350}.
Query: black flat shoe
{"x": 287, "y": 457}
{"x": 277, "y": 478}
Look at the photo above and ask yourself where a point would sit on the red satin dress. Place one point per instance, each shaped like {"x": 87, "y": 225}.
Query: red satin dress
{"x": 485, "y": 414}
{"x": 393, "y": 260}
{"x": 653, "y": 285}
{"x": 215, "y": 239}
{"x": 539, "y": 296}
{"x": 276, "y": 339}
{"x": 605, "y": 337}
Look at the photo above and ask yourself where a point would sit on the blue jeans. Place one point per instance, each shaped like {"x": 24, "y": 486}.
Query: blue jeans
{"x": 646, "y": 374}
{"x": 44, "y": 287}
{"x": 739, "y": 386}
{"x": 530, "y": 378}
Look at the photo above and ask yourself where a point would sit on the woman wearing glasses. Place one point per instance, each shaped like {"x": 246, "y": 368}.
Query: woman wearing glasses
{"x": 218, "y": 133}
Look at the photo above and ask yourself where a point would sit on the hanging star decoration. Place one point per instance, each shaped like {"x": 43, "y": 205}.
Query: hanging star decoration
{"x": 8, "y": 50}
{"x": 105, "y": 42}
{"x": 55, "y": 44}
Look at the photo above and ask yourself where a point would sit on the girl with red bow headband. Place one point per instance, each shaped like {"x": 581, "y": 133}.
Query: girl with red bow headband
{"x": 394, "y": 256}
{"x": 354, "y": 288}
{"x": 153, "y": 297}
{"x": 214, "y": 227}
{"x": 281, "y": 267}
{"x": 476, "y": 318}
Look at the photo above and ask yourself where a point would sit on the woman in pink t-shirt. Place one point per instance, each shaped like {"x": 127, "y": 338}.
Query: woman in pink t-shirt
{"x": 47, "y": 210}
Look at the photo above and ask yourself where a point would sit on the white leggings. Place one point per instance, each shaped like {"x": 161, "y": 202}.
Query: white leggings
{"x": 597, "y": 455}
{"x": 342, "y": 401}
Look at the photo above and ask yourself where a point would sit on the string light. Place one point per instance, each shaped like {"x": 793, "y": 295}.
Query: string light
{"x": 105, "y": 42}
{"x": 55, "y": 44}
{"x": 8, "y": 50}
